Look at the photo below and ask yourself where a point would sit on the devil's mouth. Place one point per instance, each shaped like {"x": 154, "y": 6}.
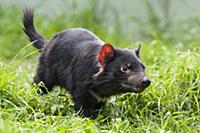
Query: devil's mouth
{"x": 132, "y": 88}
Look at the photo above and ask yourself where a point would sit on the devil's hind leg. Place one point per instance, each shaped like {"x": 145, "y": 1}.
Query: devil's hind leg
{"x": 46, "y": 76}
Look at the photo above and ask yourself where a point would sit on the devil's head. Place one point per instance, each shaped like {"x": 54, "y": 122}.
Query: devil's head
{"x": 123, "y": 68}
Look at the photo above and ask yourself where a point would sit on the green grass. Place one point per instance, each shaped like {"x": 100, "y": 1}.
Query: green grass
{"x": 170, "y": 104}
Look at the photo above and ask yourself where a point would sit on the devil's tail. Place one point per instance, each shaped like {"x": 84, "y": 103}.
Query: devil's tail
{"x": 37, "y": 40}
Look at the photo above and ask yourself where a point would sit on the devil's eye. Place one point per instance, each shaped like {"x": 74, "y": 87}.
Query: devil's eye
{"x": 125, "y": 68}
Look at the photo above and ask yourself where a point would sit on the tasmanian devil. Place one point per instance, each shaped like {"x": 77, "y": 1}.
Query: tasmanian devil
{"x": 91, "y": 70}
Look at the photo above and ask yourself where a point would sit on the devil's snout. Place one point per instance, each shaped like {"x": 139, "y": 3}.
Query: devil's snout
{"x": 146, "y": 82}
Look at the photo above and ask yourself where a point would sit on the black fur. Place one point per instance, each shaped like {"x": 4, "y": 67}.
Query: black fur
{"x": 69, "y": 60}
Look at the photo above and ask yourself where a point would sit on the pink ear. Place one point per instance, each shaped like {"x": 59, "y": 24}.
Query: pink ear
{"x": 106, "y": 54}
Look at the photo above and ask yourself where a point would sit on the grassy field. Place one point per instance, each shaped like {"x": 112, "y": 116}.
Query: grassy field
{"x": 170, "y": 104}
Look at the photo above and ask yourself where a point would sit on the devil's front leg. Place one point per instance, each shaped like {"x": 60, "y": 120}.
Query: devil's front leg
{"x": 99, "y": 105}
{"x": 85, "y": 103}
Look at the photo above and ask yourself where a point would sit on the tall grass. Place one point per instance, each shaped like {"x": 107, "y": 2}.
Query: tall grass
{"x": 171, "y": 103}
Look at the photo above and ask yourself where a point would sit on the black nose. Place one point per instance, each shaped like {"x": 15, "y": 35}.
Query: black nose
{"x": 146, "y": 82}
